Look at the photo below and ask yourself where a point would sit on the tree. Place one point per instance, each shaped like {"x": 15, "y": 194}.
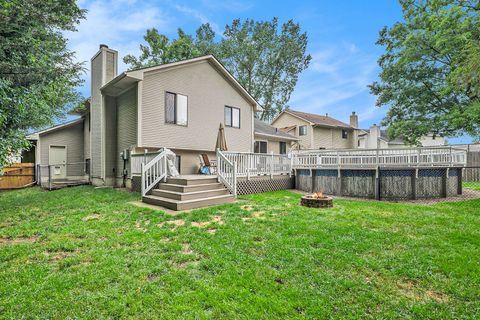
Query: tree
{"x": 37, "y": 73}
{"x": 160, "y": 49}
{"x": 265, "y": 60}
{"x": 430, "y": 70}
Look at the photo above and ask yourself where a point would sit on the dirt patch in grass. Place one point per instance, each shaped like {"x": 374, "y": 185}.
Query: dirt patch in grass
{"x": 256, "y": 215}
{"x": 215, "y": 219}
{"x": 212, "y": 231}
{"x": 93, "y": 216}
{"x": 247, "y": 207}
{"x": 412, "y": 291}
{"x": 174, "y": 223}
{"x": 186, "y": 249}
{"x": 60, "y": 255}
{"x": 19, "y": 240}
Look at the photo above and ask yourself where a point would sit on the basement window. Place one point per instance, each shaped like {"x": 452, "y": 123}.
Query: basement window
{"x": 176, "y": 109}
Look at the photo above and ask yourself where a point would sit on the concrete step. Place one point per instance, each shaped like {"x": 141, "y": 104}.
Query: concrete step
{"x": 190, "y": 181}
{"x": 187, "y": 204}
{"x": 191, "y": 188}
{"x": 189, "y": 195}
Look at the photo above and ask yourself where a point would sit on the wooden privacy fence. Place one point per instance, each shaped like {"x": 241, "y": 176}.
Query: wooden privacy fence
{"x": 17, "y": 176}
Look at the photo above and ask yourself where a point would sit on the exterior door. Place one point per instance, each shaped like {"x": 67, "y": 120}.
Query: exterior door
{"x": 58, "y": 162}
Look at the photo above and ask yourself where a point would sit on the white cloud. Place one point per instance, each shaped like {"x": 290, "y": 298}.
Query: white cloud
{"x": 337, "y": 77}
{"x": 120, "y": 24}
{"x": 196, "y": 14}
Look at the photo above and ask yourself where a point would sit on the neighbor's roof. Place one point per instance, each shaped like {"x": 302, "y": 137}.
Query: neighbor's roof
{"x": 34, "y": 135}
{"x": 318, "y": 120}
{"x": 264, "y": 129}
{"x": 127, "y": 78}
{"x": 383, "y": 136}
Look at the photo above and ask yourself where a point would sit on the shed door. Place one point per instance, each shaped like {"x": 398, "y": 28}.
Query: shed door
{"x": 58, "y": 162}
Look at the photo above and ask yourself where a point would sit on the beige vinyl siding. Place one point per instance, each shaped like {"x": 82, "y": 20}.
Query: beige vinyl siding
{"x": 126, "y": 125}
{"x": 331, "y": 138}
{"x": 96, "y": 111}
{"x": 110, "y": 128}
{"x": 287, "y": 120}
{"x": 190, "y": 160}
{"x": 86, "y": 137}
{"x": 208, "y": 93}
{"x": 72, "y": 138}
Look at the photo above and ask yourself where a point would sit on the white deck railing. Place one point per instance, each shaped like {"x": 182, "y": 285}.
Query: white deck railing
{"x": 153, "y": 171}
{"x": 433, "y": 156}
{"x": 227, "y": 172}
{"x": 259, "y": 164}
{"x": 136, "y": 160}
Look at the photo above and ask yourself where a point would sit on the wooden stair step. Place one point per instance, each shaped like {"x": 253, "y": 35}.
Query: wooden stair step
{"x": 190, "y": 188}
{"x": 175, "y": 195}
{"x": 187, "y": 204}
{"x": 189, "y": 181}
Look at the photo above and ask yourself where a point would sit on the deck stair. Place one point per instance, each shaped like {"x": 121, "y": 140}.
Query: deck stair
{"x": 189, "y": 192}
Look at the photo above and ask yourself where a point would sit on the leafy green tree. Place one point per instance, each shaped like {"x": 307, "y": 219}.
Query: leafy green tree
{"x": 38, "y": 74}
{"x": 430, "y": 70}
{"x": 265, "y": 60}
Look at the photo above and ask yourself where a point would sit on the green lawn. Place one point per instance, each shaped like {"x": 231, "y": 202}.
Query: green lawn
{"x": 86, "y": 253}
{"x": 471, "y": 185}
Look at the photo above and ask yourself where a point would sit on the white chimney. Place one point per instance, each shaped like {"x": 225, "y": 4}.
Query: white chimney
{"x": 373, "y": 137}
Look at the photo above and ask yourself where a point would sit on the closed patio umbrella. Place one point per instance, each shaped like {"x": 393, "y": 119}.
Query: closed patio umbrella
{"x": 221, "y": 141}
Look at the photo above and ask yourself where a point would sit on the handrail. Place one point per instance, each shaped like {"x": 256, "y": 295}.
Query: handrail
{"x": 250, "y": 164}
{"x": 428, "y": 156}
{"x": 227, "y": 172}
{"x": 154, "y": 171}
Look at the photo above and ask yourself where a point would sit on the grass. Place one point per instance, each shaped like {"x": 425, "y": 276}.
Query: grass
{"x": 87, "y": 253}
{"x": 475, "y": 185}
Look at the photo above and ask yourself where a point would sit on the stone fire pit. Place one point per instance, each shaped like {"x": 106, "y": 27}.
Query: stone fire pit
{"x": 316, "y": 200}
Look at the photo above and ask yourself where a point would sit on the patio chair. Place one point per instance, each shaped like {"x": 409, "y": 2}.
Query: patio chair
{"x": 210, "y": 164}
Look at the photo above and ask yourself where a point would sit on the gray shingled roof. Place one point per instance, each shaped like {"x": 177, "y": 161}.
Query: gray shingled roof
{"x": 266, "y": 129}
{"x": 320, "y": 120}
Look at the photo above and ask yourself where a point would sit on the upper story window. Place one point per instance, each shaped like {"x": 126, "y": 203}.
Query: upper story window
{"x": 283, "y": 147}
{"x": 302, "y": 130}
{"x": 232, "y": 117}
{"x": 176, "y": 108}
{"x": 344, "y": 134}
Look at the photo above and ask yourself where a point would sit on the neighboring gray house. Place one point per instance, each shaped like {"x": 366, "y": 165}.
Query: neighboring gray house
{"x": 316, "y": 131}
{"x": 376, "y": 137}
{"x": 269, "y": 139}
{"x": 177, "y": 105}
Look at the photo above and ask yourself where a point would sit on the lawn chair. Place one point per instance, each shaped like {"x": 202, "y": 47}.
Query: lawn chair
{"x": 210, "y": 164}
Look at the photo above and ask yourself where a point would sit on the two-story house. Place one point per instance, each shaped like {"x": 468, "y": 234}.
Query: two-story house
{"x": 315, "y": 131}
{"x": 176, "y": 105}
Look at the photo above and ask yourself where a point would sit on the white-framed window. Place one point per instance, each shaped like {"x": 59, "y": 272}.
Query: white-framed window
{"x": 260, "y": 147}
{"x": 283, "y": 147}
{"x": 232, "y": 117}
{"x": 344, "y": 134}
{"x": 302, "y": 130}
{"x": 176, "y": 108}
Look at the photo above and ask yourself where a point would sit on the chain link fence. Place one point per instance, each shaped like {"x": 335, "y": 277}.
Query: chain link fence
{"x": 58, "y": 176}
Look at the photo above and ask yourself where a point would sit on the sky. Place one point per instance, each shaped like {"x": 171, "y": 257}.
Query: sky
{"x": 341, "y": 41}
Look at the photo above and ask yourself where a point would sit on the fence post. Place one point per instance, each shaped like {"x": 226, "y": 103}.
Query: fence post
{"x": 271, "y": 166}
{"x": 49, "y": 177}
{"x": 234, "y": 179}
{"x": 165, "y": 165}
{"x": 248, "y": 165}
{"x": 142, "y": 177}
